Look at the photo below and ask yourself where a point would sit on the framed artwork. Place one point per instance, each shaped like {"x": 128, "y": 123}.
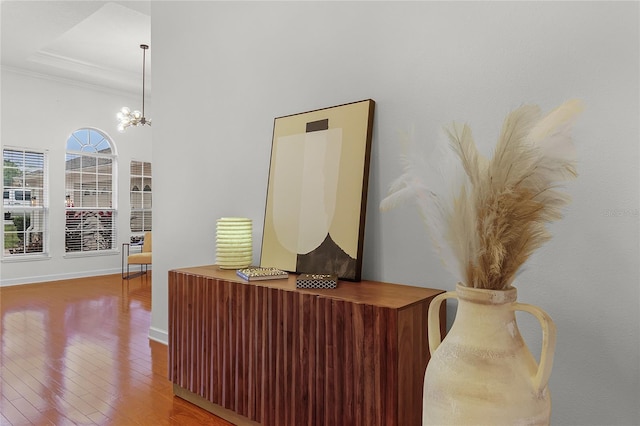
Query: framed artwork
{"x": 317, "y": 191}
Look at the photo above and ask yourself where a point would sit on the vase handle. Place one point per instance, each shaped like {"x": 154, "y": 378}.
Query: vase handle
{"x": 433, "y": 319}
{"x": 548, "y": 343}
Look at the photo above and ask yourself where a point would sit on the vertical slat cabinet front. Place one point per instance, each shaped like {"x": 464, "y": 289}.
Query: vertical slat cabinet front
{"x": 190, "y": 346}
{"x": 178, "y": 346}
{"x": 347, "y": 366}
{"x": 281, "y": 357}
{"x": 285, "y": 357}
{"x": 218, "y": 342}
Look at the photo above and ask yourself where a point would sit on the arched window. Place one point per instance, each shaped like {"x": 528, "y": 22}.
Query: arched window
{"x": 90, "y": 192}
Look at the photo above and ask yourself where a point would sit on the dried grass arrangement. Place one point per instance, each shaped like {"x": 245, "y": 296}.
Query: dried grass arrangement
{"x": 496, "y": 215}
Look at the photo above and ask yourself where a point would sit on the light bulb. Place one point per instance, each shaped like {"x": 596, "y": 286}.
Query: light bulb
{"x": 125, "y": 110}
{"x": 120, "y": 128}
{"x": 137, "y": 115}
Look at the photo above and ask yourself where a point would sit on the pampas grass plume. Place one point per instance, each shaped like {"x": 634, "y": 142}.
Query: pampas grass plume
{"x": 497, "y": 217}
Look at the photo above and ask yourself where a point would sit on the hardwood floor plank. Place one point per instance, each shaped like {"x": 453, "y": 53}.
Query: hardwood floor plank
{"x": 77, "y": 352}
{"x": 12, "y": 414}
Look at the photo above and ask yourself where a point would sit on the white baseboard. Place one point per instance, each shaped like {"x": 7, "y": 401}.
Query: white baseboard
{"x": 160, "y": 336}
{"x": 57, "y": 277}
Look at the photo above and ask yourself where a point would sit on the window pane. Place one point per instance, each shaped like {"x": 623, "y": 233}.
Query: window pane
{"x": 35, "y": 180}
{"x": 136, "y": 221}
{"x": 104, "y": 199}
{"x": 82, "y": 136}
{"x": 88, "y": 180}
{"x": 147, "y": 221}
{"x": 88, "y": 164}
{"x": 136, "y": 168}
{"x": 89, "y": 230}
{"x": 15, "y": 158}
{"x": 103, "y": 147}
{"x": 33, "y": 161}
{"x": 136, "y": 200}
{"x": 24, "y": 231}
{"x": 73, "y": 144}
{"x": 105, "y": 165}
{"x": 146, "y": 204}
{"x": 79, "y": 200}
{"x": 37, "y": 197}
{"x": 14, "y": 233}
{"x": 73, "y": 162}
{"x": 12, "y": 168}
{"x": 72, "y": 181}
{"x": 103, "y": 182}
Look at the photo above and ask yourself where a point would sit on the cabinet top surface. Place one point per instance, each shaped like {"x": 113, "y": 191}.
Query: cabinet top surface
{"x": 369, "y": 292}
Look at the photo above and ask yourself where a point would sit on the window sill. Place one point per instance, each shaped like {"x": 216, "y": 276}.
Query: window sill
{"x": 77, "y": 254}
{"x": 25, "y": 258}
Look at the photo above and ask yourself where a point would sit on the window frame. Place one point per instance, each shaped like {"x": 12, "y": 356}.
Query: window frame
{"x": 90, "y": 230}
{"x": 38, "y": 246}
{"x": 137, "y": 187}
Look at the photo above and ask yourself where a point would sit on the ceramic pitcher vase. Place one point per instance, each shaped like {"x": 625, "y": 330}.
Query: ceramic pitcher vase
{"x": 482, "y": 373}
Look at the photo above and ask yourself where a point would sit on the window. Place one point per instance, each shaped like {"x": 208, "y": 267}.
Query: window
{"x": 140, "y": 193}
{"x": 24, "y": 202}
{"x": 89, "y": 192}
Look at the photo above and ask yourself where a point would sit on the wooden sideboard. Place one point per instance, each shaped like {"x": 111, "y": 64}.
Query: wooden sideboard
{"x": 268, "y": 353}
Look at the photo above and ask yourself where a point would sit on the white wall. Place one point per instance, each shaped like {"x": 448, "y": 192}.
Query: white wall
{"x": 223, "y": 71}
{"x": 41, "y": 113}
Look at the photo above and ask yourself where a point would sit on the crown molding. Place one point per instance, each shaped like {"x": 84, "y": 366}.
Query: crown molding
{"x": 105, "y": 88}
{"x": 93, "y": 70}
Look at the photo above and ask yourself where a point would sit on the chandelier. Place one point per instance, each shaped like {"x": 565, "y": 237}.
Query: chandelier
{"x": 126, "y": 117}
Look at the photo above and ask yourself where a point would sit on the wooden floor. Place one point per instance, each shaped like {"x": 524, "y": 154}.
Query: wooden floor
{"x": 76, "y": 352}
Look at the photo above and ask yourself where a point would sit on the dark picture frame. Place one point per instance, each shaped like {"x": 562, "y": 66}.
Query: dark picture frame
{"x": 317, "y": 191}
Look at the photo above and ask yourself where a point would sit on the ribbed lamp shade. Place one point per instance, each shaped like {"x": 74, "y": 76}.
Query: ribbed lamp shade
{"x": 234, "y": 242}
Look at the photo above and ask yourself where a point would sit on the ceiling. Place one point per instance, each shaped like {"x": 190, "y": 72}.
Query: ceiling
{"x": 94, "y": 42}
